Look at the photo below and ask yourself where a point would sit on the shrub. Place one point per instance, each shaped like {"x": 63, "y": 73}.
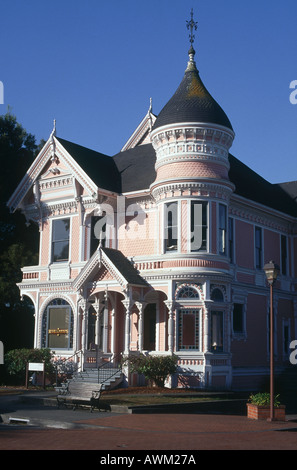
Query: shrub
{"x": 263, "y": 399}
{"x": 15, "y": 362}
{"x": 154, "y": 368}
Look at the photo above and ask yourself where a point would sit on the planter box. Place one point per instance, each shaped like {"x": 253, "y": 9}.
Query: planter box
{"x": 263, "y": 412}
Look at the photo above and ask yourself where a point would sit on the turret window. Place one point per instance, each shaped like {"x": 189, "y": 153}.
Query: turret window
{"x": 222, "y": 229}
{"x": 171, "y": 226}
{"x": 199, "y": 226}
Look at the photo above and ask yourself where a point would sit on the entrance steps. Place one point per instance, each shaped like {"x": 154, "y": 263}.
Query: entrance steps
{"x": 108, "y": 377}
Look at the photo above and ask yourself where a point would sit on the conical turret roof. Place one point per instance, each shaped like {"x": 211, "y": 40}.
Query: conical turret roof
{"x": 192, "y": 102}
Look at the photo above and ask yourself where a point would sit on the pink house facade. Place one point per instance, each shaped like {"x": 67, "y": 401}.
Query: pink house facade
{"x": 160, "y": 249}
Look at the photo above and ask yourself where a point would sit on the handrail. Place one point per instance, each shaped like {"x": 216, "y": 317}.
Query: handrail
{"x": 117, "y": 365}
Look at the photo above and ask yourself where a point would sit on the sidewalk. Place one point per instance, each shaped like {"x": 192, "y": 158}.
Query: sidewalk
{"x": 39, "y": 426}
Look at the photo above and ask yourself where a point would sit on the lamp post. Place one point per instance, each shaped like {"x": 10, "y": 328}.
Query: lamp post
{"x": 271, "y": 270}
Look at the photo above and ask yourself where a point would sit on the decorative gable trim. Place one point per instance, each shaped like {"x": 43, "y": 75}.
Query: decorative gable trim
{"x": 99, "y": 259}
{"x": 52, "y": 151}
{"x": 141, "y": 135}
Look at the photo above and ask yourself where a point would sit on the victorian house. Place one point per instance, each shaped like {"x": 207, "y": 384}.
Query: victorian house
{"x": 161, "y": 247}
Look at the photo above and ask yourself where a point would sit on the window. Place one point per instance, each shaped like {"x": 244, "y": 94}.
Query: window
{"x": 222, "y": 229}
{"x": 199, "y": 227}
{"x": 284, "y": 255}
{"x": 189, "y": 329}
{"x": 149, "y": 327}
{"x": 171, "y": 226}
{"x": 217, "y": 295}
{"x": 217, "y": 331}
{"x": 187, "y": 292}
{"x": 60, "y": 240}
{"x": 98, "y": 231}
{"x": 258, "y": 247}
{"x": 286, "y": 338}
{"x": 231, "y": 239}
{"x": 238, "y": 320}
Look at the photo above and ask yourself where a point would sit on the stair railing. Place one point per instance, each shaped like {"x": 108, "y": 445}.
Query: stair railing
{"x": 114, "y": 363}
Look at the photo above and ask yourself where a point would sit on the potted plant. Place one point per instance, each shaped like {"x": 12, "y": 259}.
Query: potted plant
{"x": 258, "y": 407}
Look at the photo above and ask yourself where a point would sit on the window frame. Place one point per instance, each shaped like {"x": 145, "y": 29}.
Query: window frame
{"x": 62, "y": 240}
{"x": 189, "y": 310}
{"x": 204, "y": 226}
{"x": 258, "y": 249}
{"x": 284, "y": 254}
{"x": 172, "y": 227}
{"x": 221, "y": 313}
{"x": 93, "y": 222}
{"x": 222, "y": 230}
{"x": 231, "y": 240}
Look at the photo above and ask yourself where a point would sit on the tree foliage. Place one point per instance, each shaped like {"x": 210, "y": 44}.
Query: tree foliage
{"x": 154, "y": 368}
{"x": 18, "y": 242}
{"x": 17, "y": 359}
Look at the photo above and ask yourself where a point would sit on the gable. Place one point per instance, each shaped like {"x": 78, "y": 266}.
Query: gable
{"x": 65, "y": 170}
{"x": 106, "y": 264}
{"x": 141, "y": 135}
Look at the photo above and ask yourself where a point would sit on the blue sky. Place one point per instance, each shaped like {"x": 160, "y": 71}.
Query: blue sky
{"x": 94, "y": 65}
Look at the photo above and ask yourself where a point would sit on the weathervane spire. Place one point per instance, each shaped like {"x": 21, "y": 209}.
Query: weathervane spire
{"x": 192, "y": 25}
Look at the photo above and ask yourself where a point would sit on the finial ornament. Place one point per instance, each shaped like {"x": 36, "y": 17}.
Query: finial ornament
{"x": 191, "y": 25}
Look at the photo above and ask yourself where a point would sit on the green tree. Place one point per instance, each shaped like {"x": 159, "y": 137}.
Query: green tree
{"x": 17, "y": 359}
{"x": 18, "y": 242}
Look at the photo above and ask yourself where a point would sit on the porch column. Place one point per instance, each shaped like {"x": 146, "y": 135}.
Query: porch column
{"x": 206, "y": 327}
{"x": 105, "y": 324}
{"x": 97, "y": 324}
{"x": 84, "y": 332}
{"x": 170, "y": 305}
{"x": 140, "y": 306}
{"x": 112, "y": 348}
{"x": 127, "y": 305}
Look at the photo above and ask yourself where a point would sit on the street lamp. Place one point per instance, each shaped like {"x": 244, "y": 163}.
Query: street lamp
{"x": 272, "y": 271}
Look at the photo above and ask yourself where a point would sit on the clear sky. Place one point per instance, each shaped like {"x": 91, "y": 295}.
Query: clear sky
{"x": 93, "y": 65}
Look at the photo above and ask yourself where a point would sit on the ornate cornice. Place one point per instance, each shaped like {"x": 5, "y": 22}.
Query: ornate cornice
{"x": 208, "y": 188}
{"x": 259, "y": 217}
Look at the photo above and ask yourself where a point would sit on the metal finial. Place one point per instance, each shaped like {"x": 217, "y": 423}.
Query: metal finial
{"x": 191, "y": 25}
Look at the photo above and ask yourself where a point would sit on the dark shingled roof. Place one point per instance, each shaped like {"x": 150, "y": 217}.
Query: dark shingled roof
{"x": 99, "y": 167}
{"x": 136, "y": 167}
{"x": 124, "y": 266}
{"x": 252, "y": 186}
{"x": 192, "y": 103}
{"x": 134, "y": 170}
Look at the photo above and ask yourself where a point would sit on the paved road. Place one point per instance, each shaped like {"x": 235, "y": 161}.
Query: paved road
{"x": 48, "y": 428}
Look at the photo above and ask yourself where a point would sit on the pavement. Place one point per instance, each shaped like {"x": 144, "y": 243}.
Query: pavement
{"x": 32, "y": 421}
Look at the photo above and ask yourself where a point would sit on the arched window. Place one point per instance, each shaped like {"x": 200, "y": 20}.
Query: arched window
{"x": 57, "y": 325}
{"x": 217, "y": 295}
{"x": 187, "y": 292}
